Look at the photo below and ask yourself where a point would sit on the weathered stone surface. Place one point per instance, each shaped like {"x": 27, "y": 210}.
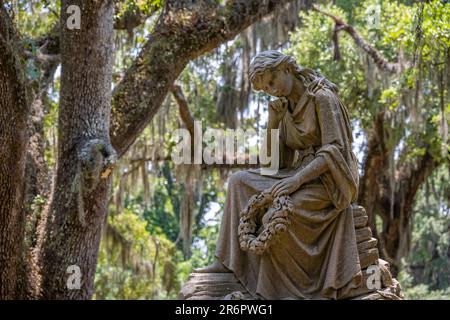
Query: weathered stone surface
{"x": 358, "y": 211}
{"x": 370, "y": 296}
{"x": 210, "y": 285}
{"x": 361, "y": 221}
{"x": 366, "y": 245}
{"x": 368, "y": 258}
{"x": 207, "y": 278}
{"x": 225, "y": 286}
{"x": 363, "y": 289}
{"x": 363, "y": 234}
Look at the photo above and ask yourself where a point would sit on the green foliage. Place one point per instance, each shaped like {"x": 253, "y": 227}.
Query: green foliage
{"x": 421, "y": 291}
{"x": 146, "y": 7}
{"x": 204, "y": 246}
{"x": 126, "y": 268}
{"x": 429, "y": 259}
{"x": 36, "y": 18}
{"x": 162, "y": 216}
{"x": 138, "y": 266}
{"x": 312, "y": 47}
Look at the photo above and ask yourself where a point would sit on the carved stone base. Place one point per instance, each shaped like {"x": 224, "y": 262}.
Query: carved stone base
{"x": 212, "y": 286}
{"x": 225, "y": 286}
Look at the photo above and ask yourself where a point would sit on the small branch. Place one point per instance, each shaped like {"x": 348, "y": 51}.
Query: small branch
{"x": 183, "y": 107}
{"x": 381, "y": 62}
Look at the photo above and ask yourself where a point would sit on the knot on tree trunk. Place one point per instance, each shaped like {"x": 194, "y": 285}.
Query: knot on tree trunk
{"x": 96, "y": 160}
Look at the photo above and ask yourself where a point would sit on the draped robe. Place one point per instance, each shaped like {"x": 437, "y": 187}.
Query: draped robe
{"x": 317, "y": 257}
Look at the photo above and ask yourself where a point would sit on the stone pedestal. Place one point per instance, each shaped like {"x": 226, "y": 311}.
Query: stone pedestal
{"x": 225, "y": 286}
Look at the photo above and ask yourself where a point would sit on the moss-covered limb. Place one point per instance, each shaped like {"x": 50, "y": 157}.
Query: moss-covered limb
{"x": 185, "y": 30}
{"x": 183, "y": 109}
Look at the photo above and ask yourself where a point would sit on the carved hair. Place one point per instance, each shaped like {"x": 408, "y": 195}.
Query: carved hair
{"x": 271, "y": 59}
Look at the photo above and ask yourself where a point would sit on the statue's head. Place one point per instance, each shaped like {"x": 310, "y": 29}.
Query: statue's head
{"x": 274, "y": 73}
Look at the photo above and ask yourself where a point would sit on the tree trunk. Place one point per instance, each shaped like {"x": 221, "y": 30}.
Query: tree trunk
{"x": 13, "y": 141}
{"x": 79, "y": 202}
{"x": 393, "y": 203}
{"x": 395, "y": 238}
{"x": 375, "y": 162}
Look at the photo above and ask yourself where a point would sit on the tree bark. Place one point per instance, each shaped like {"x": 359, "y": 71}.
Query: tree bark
{"x": 14, "y": 106}
{"x": 37, "y": 175}
{"x": 79, "y": 205}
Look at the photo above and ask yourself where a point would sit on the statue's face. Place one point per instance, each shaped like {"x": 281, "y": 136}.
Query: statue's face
{"x": 278, "y": 82}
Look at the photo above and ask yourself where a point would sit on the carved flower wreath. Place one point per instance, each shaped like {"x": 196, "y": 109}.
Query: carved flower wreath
{"x": 275, "y": 214}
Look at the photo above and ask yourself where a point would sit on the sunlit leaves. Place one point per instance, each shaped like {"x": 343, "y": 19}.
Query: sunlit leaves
{"x": 151, "y": 271}
{"x": 36, "y": 18}
{"x": 389, "y": 98}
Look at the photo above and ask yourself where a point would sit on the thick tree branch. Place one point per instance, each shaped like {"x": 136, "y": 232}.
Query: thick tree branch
{"x": 132, "y": 16}
{"x": 410, "y": 175}
{"x": 49, "y": 44}
{"x": 43, "y": 57}
{"x": 188, "y": 120}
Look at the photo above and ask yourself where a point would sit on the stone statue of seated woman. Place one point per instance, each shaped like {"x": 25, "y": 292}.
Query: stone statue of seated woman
{"x": 316, "y": 256}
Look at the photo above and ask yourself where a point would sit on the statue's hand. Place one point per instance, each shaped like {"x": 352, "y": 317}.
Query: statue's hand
{"x": 285, "y": 186}
{"x": 277, "y": 109}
